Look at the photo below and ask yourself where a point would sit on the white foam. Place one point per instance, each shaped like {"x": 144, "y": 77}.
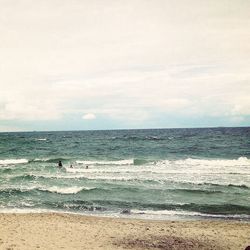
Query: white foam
{"x": 241, "y": 161}
{"x": 204, "y": 166}
{"x": 186, "y": 213}
{"x": 76, "y": 170}
{"x": 27, "y": 204}
{"x": 121, "y": 162}
{"x": 164, "y": 212}
{"x": 65, "y": 190}
{"x": 21, "y": 188}
{"x": 13, "y": 161}
{"x": 234, "y": 172}
{"x": 114, "y": 170}
{"x": 53, "y": 189}
{"x": 41, "y": 159}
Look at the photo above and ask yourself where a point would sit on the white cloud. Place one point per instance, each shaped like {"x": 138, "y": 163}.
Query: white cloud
{"x": 89, "y": 117}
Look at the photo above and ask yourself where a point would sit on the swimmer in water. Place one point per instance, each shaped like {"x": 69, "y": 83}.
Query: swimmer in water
{"x": 60, "y": 164}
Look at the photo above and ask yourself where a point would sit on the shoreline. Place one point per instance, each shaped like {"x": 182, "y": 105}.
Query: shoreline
{"x": 72, "y": 231}
{"x": 133, "y": 216}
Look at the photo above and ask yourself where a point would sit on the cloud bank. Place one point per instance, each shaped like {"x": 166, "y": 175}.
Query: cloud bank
{"x": 132, "y": 64}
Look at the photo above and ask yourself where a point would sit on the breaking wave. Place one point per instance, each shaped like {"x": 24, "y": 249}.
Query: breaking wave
{"x": 186, "y": 213}
{"x": 65, "y": 190}
{"x": 241, "y": 161}
{"x": 120, "y": 162}
{"x": 53, "y": 189}
{"x": 13, "y": 161}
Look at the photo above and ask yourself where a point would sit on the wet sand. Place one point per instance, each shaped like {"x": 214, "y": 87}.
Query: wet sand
{"x": 66, "y": 231}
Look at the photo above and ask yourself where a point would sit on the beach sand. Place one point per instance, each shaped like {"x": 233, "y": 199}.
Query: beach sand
{"x": 66, "y": 231}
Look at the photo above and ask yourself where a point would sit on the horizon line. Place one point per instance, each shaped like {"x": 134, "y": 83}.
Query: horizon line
{"x": 78, "y": 130}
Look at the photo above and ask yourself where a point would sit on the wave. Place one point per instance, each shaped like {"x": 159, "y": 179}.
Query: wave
{"x": 47, "y": 176}
{"x": 65, "y": 190}
{"x": 241, "y": 161}
{"x": 149, "y": 169}
{"x": 101, "y": 211}
{"x": 49, "y": 160}
{"x": 120, "y": 188}
{"x": 6, "y": 170}
{"x": 106, "y": 170}
{"x": 238, "y": 186}
{"x": 215, "y": 210}
{"x": 138, "y": 138}
{"x": 16, "y": 190}
{"x": 120, "y": 162}
{"x": 89, "y": 174}
{"x": 195, "y": 191}
{"x": 243, "y": 186}
{"x": 221, "y": 165}
{"x": 27, "y": 177}
{"x": 225, "y": 209}
{"x": 13, "y": 161}
{"x": 53, "y": 189}
{"x": 205, "y": 184}
{"x": 76, "y": 205}
{"x": 185, "y": 214}
{"x": 189, "y": 162}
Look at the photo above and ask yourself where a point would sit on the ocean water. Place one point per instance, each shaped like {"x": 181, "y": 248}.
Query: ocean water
{"x": 154, "y": 174}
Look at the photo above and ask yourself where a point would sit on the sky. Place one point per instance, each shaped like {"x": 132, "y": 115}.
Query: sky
{"x": 115, "y": 64}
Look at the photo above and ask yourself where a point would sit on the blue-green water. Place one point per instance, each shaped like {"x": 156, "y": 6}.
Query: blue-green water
{"x": 161, "y": 174}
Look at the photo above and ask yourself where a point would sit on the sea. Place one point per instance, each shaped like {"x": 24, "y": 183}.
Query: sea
{"x": 161, "y": 174}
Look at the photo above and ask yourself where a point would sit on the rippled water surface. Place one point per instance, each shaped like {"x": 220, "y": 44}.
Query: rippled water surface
{"x": 165, "y": 173}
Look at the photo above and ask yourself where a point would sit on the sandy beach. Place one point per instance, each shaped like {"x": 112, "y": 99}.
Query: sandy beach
{"x": 64, "y": 231}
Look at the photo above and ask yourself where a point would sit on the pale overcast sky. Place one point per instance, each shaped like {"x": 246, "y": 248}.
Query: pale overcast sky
{"x": 76, "y": 64}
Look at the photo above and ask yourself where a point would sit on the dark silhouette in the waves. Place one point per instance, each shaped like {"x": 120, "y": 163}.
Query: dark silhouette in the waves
{"x": 60, "y": 164}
